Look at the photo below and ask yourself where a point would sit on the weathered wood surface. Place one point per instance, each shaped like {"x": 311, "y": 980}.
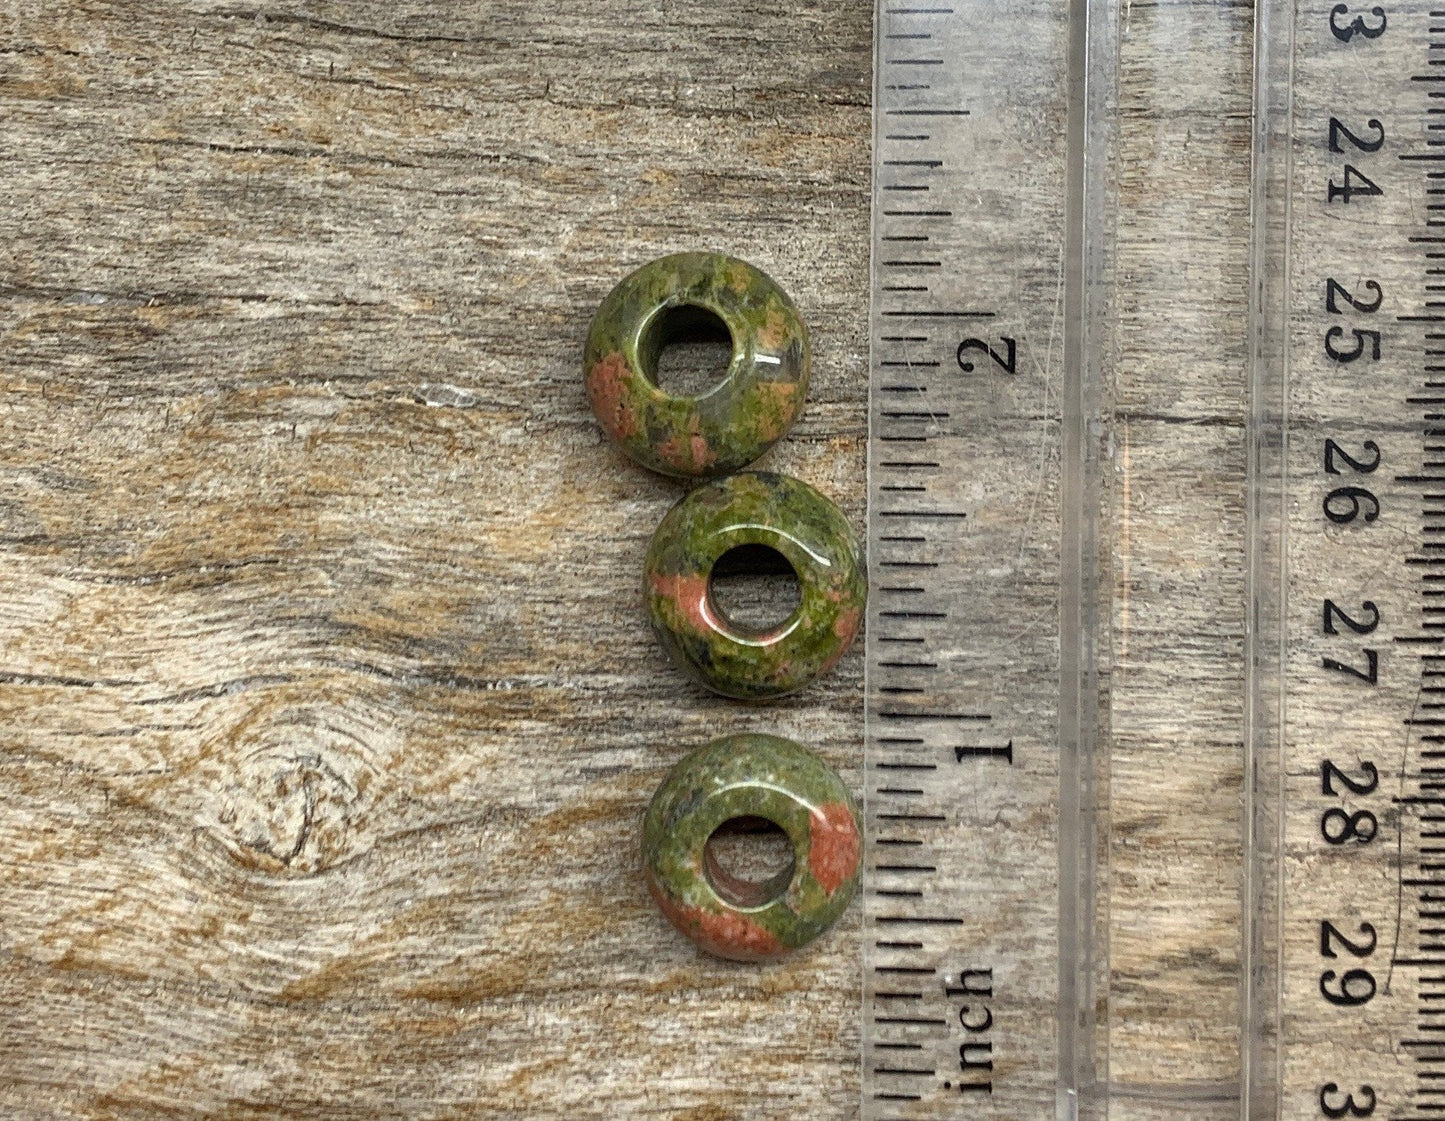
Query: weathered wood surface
{"x": 1176, "y": 686}
{"x": 330, "y": 710}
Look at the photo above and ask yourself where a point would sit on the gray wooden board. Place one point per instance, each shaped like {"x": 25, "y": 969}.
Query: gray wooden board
{"x": 330, "y": 708}
{"x": 1176, "y": 684}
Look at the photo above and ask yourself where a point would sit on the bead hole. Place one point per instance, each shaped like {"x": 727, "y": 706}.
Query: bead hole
{"x": 686, "y": 350}
{"x": 749, "y": 861}
{"x": 755, "y": 588}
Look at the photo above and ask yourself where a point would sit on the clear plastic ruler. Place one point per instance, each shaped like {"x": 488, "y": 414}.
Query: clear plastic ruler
{"x": 991, "y": 235}
{"x": 1346, "y": 1005}
{"x": 979, "y": 744}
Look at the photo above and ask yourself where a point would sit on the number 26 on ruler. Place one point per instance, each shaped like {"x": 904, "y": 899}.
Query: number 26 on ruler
{"x": 1351, "y": 344}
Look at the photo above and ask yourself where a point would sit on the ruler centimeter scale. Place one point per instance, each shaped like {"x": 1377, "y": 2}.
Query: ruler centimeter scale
{"x": 978, "y": 164}
{"x": 1348, "y": 1016}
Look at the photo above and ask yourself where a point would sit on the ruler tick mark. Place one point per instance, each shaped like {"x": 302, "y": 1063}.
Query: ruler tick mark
{"x": 926, "y": 920}
{"x": 1006, "y": 753}
{"x": 906, "y": 314}
{"x": 898, "y": 714}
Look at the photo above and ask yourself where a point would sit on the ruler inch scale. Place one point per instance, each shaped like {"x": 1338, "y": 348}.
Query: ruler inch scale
{"x": 978, "y": 356}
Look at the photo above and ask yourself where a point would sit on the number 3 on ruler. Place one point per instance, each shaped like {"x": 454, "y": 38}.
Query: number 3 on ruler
{"x": 1349, "y": 31}
{"x": 1349, "y": 1108}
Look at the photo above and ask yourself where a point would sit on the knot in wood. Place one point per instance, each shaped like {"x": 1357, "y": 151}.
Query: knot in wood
{"x": 302, "y": 784}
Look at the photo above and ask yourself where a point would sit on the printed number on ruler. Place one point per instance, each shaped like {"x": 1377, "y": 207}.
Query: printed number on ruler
{"x": 1346, "y": 979}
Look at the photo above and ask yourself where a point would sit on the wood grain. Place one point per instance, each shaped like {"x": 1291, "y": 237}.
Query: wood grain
{"x": 331, "y": 705}
{"x": 1176, "y": 685}
{"x": 330, "y": 708}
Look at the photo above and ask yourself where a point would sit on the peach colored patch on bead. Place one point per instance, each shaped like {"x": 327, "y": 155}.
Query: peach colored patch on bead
{"x": 607, "y": 386}
{"x": 687, "y": 453}
{"x": 728, "y": 935}
{"x": 845, "y": 628}
{"x": 774, "y": 331}
{"x": 690, "y": 594}
{"x": 775, "y": 407}
{"x": 833, "y": 846}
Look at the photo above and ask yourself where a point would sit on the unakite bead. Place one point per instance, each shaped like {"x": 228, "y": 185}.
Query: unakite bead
{"x": 752, "y": 776}
{"x": 755, "y": 508}
{"x": 735, "y": 421}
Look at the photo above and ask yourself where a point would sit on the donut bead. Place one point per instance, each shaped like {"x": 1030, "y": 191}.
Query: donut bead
{"x": 752, "y": 776}
{"x": 755, "y": 508}
{"x": 734, "y": 422}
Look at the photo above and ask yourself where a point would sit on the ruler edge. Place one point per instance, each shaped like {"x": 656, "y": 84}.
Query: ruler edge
{"x": 1266, "y": 561}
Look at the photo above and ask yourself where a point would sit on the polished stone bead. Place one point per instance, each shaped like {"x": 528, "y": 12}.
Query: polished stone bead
{"x": 732, "y": 423}
{"x": 757, "y": 776}
{"x": 755, "y": 508}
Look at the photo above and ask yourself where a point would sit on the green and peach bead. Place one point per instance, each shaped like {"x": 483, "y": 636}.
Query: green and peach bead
{"x": 781, "y": 513}
{"x": 752, "y": 776}
{"x": 732, "y": 423}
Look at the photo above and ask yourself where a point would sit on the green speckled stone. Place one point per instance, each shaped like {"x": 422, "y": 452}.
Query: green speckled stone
{"x": 737, "y": 420}
{"x": 755, "y": 508}
{"x": 752, "y": 776}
